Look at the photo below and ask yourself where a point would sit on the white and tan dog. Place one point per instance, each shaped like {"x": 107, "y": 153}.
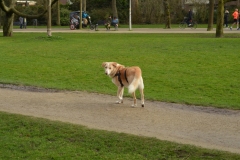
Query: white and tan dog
{"x": 129, "y": 77}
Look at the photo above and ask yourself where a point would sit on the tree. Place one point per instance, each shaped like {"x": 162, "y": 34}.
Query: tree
{"x": 220, "y": 17}
{"x": 210, "y": 16}
{"x": 8, "y": 21}
{"x": 84, "y": 5}
{"x": 167, "y": 14}
{"x": 220, "y": 13}
{"x": 8, "y": 8}
{"x": 135, "y": 11}
{"x": 114, "y": 8}
{"x": 58, "y": 13}
{"x": 0, "y": 18}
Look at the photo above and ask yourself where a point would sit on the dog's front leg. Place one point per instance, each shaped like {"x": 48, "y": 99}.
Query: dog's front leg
{"x": 120, "y": 94}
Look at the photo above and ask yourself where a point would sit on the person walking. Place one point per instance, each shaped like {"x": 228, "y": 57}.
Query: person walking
{"x": 21, "y": 22}
{"x": 108, "y": 23}
{"x": 238, "y": 27}
{"x": 190, "y": 17}
{"x": 235, "y": 18}
{"x": 25, "y": 22}
{"x": 226, "y": 13}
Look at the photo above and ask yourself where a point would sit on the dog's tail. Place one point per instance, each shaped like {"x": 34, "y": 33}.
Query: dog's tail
{"x": 137, "y": 83}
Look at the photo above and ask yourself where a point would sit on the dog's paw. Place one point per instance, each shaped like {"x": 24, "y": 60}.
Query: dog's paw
{"x": 119, "y": 102}
{"x": 134, "y": 105}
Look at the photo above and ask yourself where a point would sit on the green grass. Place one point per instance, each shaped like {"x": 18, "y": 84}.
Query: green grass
{"x": 181, "y": 68}
{"x": 24, "y": 137}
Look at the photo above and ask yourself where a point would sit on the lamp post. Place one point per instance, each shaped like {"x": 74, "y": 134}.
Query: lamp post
{"x": 49, "y": 33}
{"x": 80, "y": 25}
{"x": 130, "y": 15}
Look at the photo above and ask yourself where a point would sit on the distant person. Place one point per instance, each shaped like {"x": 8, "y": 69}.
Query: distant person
{"x": 84, "y": 18}
{"x": 226, "y": 14}
{"x": 114, "y": 21}
{"x": 108, "y": 23}
{"x": 238, "y": 21}
{"x": 190, "y": 17}
{"x": 25, "y": 22}
{"x": 35, "y": 22}
{"x": 235, "y": 18}
{"x": 109, "y": 20}
{"x": 21, "y": 22}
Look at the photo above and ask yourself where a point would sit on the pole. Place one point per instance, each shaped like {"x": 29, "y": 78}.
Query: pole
{"x": 49, "y": 20}
{"x": 80, "y": 25}
{"x": 0, "y": 18}
{"x": 130, "y": 15}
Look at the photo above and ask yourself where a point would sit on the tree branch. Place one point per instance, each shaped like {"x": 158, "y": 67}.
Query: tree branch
{"x": 13, "y": 10}
{"x": 3, "y": 6}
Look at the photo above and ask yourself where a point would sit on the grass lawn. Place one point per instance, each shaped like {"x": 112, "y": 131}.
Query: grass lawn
{"x": 24, "y": 137}
{"x": 181, "y": 68}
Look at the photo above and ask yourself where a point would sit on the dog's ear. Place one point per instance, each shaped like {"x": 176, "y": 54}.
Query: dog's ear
{"x": 104, "y": 64}
{"x": 114, "y": 64}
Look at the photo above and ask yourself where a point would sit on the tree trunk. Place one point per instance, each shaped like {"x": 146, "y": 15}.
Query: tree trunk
{"x": 8, "y": 25}
{"x": 167, "y": 14}
{"x": 114, "y": 8}
{"x": 210, "y": 16}
{"x": 8, "y": 21}
{"x": 84, "y": 5}
{"x": 220, "y": 15}
{"x": 58, "y": 13}
{"x": 135, "y": 13}
{"x": 0, "y": 18}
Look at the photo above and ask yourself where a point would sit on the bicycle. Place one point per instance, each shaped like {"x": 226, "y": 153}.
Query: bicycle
{"x": 184, "y": 24}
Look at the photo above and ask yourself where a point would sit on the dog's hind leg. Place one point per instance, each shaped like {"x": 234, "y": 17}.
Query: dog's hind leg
{"x": 120, "y": 94}
{"x": 141, "y": 87}
{"x": 134, "y": 100}
{"x": 142, "y": 96}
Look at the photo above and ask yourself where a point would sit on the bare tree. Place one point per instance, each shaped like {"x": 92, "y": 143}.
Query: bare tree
{"x": 9, "y": 10}
{"x": 167, "y": 14}
{"x": 135, "y": 11}
{"x": 210, "y": 16}
{"x": 8, "y": 21}
{"x": 58, "y": 13}
{"x": 84, "y": 5}
{"x": 220, "y": 17}
{"x": 114, "y": 8}
{"x": 0, "y": 18}
{"x": 220, "y": 13}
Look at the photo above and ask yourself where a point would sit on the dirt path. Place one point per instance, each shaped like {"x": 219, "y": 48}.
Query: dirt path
{"x": 200, "y": 126}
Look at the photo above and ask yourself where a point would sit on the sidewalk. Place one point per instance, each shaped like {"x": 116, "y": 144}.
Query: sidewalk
{"x": 126, "y": 30}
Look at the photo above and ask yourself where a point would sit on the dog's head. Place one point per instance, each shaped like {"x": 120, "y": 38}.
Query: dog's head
{"x": 111, "y": 68}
